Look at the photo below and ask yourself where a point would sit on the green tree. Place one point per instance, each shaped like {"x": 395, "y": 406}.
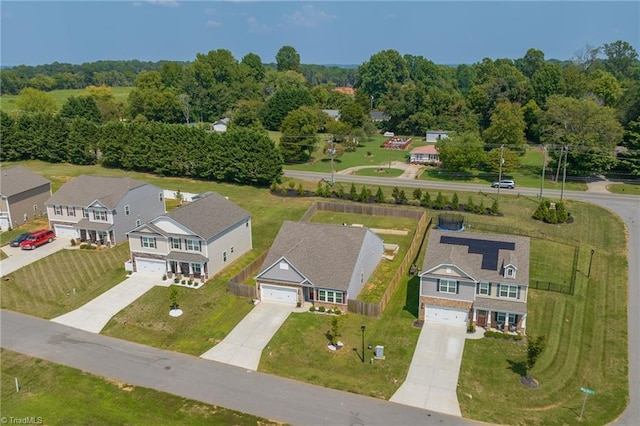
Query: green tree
{"x": 535, "y": 347}
{"x": 255, "y": 65}
{"x": 282, "y": 103}
{"x": 507, "y": 127}
{"x": 455, "y": 203}
{"x": 247, "y": 113}
{"x": 379, "y": 196}
{"x": 532, "y": 61}
{"x": 353, "y": 194}
{"x": 81, "y": 107}
{"x": 82, "y": 142}
{"x": 547, "y": 81}
{"x": 441, "y": 202}
{"x": 352, "y": 115}
{"x": 460, "y": 152}
{"x": 605, "y": 86}
{"x": 382, "y": 68}
{"x": 425, "y": 201}
{"x": 34, "y": 100}
{"x": 298, "y": 140}
{"x": 629, "y": 161}
{"x": 469, "y": 206}
{"x": 510, "y": 160}
{"x": 532, "y": 114}
{"x": 251, "y": 157}
{"x": 417, "y": 194}
{"x": 287, "y": 59}
{"x": 621, "y": 57}
{"x": 590, "y": 131}
{"x": 494, "y": 207}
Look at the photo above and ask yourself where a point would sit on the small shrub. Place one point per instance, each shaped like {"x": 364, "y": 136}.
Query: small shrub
{"x": 292, "y": 184}
{"x": 312, "y": 309}
{"x": 455, "y": 203}
{"x": 183, "y": 282}
{"x": 469, "y": 206}
{"x": 517, "y": 337}
{"x": 494, "y": 207}
{"x": 341, "y": 192}
{"x": 176, "y": 280}
{"x": 274, "y": 186}
{"x": 489, "y": 333}
{"x": 300, "y": 190}
{"x": 353, "y": 194}
{"x": 336, "y": 311}
{"x": 379, "y": 196}
{"x": 164, "y": 277}
{"x": 440, "y": 202}
{"x": 471, "y": 328}
{"x": 479, "y": 209}
{"x": 425, "y": 201}
{"x": 417, "y": 194}
{"x": 389, "y": 200}
{"x": 414, "y": 203}
{"x": 298, "y": 304}
{"x": 321, "y": 309}
{"x": 283, "y": 190}
{"x": 73, "y": 242}
{"x": 506, "y": 336}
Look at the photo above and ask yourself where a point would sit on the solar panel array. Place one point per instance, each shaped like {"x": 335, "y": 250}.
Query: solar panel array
{"x": 488, "y": 249}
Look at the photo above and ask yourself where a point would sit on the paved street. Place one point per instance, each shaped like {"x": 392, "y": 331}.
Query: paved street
{"x": 207, "y": 381}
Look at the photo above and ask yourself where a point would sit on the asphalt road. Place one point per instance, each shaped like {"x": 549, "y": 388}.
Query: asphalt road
{"x": 255, "y": 393}
{"x": 625, "y": 206}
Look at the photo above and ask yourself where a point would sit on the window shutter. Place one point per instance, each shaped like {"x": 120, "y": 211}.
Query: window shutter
{"x": 141, "y": 245}
{"x": 457, "y": 287}
{"x": 154, "y": 243}
{"x": 518, "y": 293}
{"x": 489, "y": 290}
{"x": 478, "y": 288}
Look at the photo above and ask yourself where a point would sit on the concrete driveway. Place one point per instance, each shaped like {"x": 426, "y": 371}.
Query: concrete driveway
{"x": 94, "y": 315}
{"x": 243, "y": 346}
{"x": 433, "y": 375}
{"x": 19, "y": 258}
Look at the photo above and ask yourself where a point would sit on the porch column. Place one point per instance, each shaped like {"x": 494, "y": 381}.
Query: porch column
{"x": 474, "y": 319}
{"x": 190, "y": 268}
{"x": 489, "y": 316}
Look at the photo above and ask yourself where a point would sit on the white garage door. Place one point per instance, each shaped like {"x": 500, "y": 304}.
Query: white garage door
{"x": 63, "y": 231}
{"x": 151, "y": 266}
{"x": 274, "y": 293}
{"x": 437, "y": 313}
{"x": 4, "y": 222}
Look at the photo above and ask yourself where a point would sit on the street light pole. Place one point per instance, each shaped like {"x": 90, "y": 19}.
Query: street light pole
{"x": 544, "y": 166}
{"x": 500, "y": 172}
{"x": 332, "y": 152}
{"x": 590, "y": 262}
{"x": 564, "y": 173}
{"x": 362, "y": 328}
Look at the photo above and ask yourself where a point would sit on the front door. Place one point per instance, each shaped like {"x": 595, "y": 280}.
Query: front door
{"x": 482, "y": 318}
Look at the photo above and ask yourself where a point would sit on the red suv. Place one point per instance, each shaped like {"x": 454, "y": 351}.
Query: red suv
{"x": 37, "y": 239}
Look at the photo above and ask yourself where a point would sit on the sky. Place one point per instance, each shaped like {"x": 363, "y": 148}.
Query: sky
{"x": 322, "y": 32}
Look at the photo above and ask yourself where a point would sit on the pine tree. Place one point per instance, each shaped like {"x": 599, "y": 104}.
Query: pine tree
{"x": 379, "y": 196}
{"x": 455, "y": 203}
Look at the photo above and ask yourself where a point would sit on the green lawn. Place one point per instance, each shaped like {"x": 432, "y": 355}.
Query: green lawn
{"x": 32, "y": 226}
{"x": 63, "y": 281}
{"x": 8, "y": 102}
{"x": 625, "y": 188}
{"x": 379, "y": 172}
{"x": 61, "y": 395}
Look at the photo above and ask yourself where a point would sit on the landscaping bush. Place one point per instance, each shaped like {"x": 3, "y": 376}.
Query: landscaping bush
{"x": 455, "y": 203}
{"x": 440, "y": 202}
{"x": 353, "y": 194}
{"x": 312, "y": 309}
{"x": 469, "y": 206}
{"x": 417, "y": 194}
{"x": 292, "y": 184}
{"x": 545, "y": 213}
{"x": 425, "y": 201}
{"x": 389, "y": 200}
{"x": 494, "y": 207}
{"x": 73, "y": 242}
{"x": 321, "y": 309}
{"x": 414, "y": 203}
{"x": 379, "y": 196}
{"x": 337, "y": 311}
{"x": 489, "y": 333}
{"x": 340, "y": 191}
{"x": 301, "y": 190}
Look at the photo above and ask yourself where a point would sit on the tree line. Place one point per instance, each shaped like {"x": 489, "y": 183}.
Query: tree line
{"x": 581, "y": 109}
{"x": 241, "y": 155}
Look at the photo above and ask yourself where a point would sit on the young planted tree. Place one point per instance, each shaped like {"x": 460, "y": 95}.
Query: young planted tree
{"x": 335, "y": 331}
{"x": 469, "y": 206}
{"x": 417, "y": 194}
{"x": 440, "y": 202}
{"x": 353, "y": 194}
{"x": 379, "y": 196}
{"x": 535, "y": 346}
{"x": 425, "y": 201}
{"x": 455, "y": 203}
{"x": 494, "y": 207}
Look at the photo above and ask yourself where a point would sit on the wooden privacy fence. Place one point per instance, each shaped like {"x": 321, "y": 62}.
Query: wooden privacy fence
{"x": 235, "y": 284}
{"x": 376, "y": 309}
{"x": 365, "y": 209}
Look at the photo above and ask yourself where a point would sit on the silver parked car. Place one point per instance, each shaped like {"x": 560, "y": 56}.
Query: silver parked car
{"x": 504, "y": 183}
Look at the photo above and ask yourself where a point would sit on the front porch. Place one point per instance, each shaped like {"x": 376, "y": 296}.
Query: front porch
{"x": 97, "y": 237}
{"x": 187, "y": 266}
{"x": 506, "y": 322}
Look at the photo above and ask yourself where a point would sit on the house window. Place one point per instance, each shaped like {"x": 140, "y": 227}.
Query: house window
{"x": 58, "y": 210}
{"x": 484, "y": 289}
{"x": 448, "y": 286}
{"x": 176, "y": 243}
{"x": 361, "y": 277}
{"x": 232, "y": 249}
{"x": 71, "y": 211}
{"x": 100, "y": 215}
{"x": 138, "y": 222}
{"x": 246, "y": 225}
{"x": 510, "y": 273}
{"x": 504, "y": 317}
{"x": 161, "y": 196}
{"x": 193, "y": 245}
{"x": 510, "y": 291}
{"x": 284, "y": 266}
{"x": 148, "y": 242}
{"x": 85, "y": 213}
{"x": 224, "y": 256}
{"x": 127, "y": 210}
{"x": 330, "y": 296}
{"x": 197, "y": 268}
{"x": 35, "y": 207}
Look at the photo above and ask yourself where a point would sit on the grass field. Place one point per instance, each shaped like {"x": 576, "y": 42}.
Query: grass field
{"x": 61, "y": 395}
{"x": 8, "y": 102}
{"x": 586, "y": 332}
{"x": 625, "y": 188}
{"x": 379, "y": 172}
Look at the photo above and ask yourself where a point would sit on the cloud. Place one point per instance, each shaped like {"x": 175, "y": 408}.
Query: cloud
{"x": 213, "y": 24}
{"x": 308, "y": 16}
{"x": 255, "y": 26}
{"x": 160, "y": 3}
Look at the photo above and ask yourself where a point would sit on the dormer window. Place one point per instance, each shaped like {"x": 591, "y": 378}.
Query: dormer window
{"x": 510, "y": 271}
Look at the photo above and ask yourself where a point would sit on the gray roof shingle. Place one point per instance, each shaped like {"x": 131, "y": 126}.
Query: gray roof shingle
{"x": 325, "y": 254}
{"x": 85, "y": 189}
{"x": 17, "y": 179}
{"x": 210, "y": 215}
{"x": 438, "y": 253}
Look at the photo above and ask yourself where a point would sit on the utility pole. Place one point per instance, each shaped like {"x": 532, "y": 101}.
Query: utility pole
{"x": 564, "y": 173}
{"x": 332, "y": 152}
{"x": 544, "y": 166}
{"x": 500, "y": 171}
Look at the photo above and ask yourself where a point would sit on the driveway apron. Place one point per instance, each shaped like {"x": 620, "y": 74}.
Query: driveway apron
{"x": 94, "y": 315}
{"x": 433, "y": 375}
{"x": 243, "y": 346}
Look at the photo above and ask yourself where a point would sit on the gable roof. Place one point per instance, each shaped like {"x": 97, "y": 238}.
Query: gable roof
{"x": 483, "y": 256}
{"x": 379, "y": 116}
{"x": 17, "y": 179}
{"x": 85, "y": 189}
{"x": 325, "y": 254}
{"x": 208, "y": 216}
{"x": 426, "y": 149}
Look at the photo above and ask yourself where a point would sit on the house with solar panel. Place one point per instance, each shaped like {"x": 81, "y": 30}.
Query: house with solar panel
{"x": 479, "y": 279}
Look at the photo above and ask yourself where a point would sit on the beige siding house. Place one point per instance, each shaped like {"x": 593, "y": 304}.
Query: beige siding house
{"x": 22, "y": 196}
{"x": 192, "y": 242}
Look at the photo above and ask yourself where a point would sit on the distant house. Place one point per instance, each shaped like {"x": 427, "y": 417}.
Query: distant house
{"x": 436, "y": 135}
{"x": 319, "y": 263}
{"x": 23, "y": 195}
{"x": 196, "y": 240}
{"x": 476, "y": 278}
{"x": 102, "y": 209}
{"x": 379, "y": 116}
{"x": 427, "y": 154}
{"x": 346, "y": 90}
{"x": 220, "y": 126}
{"x": 333, "y": 113}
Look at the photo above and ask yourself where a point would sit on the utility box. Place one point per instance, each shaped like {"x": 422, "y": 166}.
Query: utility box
{"x": 379, "y": 352}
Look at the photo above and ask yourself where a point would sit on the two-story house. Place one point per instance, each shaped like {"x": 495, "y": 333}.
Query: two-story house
{"x": 103, "y": 209}
{"x": 476, "y": 278}
{"x": 196, "y": 240}
{"x": 23, "y": 194}
{"x": 319, "y": 263}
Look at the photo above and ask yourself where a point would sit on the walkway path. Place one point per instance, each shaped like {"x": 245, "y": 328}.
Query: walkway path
{"x": 94, "y": 315}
